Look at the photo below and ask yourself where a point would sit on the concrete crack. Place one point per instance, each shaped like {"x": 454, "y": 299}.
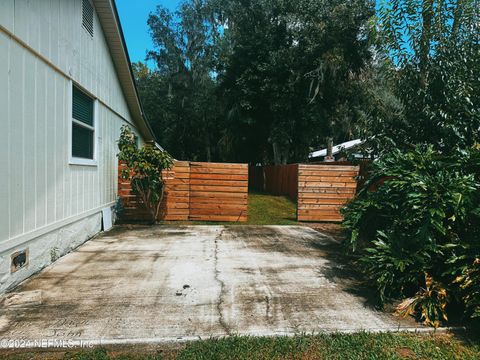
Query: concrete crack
{"x": 220, "y": 301}
{"x": 267, "y": 309}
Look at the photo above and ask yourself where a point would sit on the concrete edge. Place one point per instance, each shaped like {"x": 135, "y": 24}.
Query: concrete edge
{"x": 90, "y": 343}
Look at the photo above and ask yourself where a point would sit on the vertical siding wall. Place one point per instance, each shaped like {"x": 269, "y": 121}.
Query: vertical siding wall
{"x": 53, "y": 28}
{"x": 39, "y": 189}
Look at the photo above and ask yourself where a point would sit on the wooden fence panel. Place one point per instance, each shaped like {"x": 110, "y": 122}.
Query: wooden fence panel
{"x": 177, "y": 192}
{"x": 275, "y": 179}
{"x": 218, "y": 191}
{"x": 282, "y": 180}
{"x": 176, "y": 199}
{"x": 195, "y": 191}
{"x": 323, "y": 190}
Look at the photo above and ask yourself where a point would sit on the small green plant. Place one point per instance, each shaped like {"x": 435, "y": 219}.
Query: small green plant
{"x": 143, "y": 167}
{"x": 54, "y": 254}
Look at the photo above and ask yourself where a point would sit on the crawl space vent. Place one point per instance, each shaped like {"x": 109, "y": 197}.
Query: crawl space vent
{"x": 19, "y": 260}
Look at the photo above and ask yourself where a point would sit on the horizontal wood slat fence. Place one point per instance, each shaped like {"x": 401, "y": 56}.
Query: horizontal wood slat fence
{"x": 195, "y": 191}
{"x": 218, "y": 192}
{"x": 323, "y": 190}
{"x": 320, "y": 190}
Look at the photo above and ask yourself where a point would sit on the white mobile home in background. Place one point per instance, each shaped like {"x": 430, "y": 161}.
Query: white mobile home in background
{"x": 66, "y": 88}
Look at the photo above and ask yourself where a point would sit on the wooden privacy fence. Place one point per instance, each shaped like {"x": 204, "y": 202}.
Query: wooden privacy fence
{"x": 323, "y": 190}
{"x": 275, "y": 179}
{"x": 195, "y": 191}
{"x": 218, "y": 192}
{"x": 320, "y": 190}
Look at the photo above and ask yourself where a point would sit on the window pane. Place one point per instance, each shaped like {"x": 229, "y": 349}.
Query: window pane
{"x": 82, "y": 109}
{"x": 82, "y": 142}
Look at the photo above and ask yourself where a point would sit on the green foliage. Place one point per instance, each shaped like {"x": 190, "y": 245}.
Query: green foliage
{"x": 429, "y": 303}
{"x": 289, "y": 79}
{"x": 255, "y": 81}
{"x": 470, "y": 288}
{"x": 143, "y": 168}
{"x": 419, "y": 213}
{"x": 430, "y": 56}
{"x": 179, "y": 94}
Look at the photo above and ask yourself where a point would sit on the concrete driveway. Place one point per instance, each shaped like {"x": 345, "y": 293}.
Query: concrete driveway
{"x": 167, "y": 283}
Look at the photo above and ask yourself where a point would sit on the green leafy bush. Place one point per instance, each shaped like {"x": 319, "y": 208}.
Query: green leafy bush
{"x": 420, "y": 214}
{"x": 470, "y": 288}
{"x": 143, "y": 168}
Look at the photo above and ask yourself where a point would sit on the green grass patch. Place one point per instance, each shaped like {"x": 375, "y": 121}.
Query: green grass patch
{"x": 336, "y": 346}
{"x": 263, "y": 209}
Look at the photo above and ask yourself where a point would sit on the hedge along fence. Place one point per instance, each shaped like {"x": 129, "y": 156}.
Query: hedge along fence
{"x": 195, "y": 191}
{"x": 323, "y": 190}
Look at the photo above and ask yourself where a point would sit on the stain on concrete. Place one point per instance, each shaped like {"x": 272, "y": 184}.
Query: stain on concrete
{"x": 184, "y": 282}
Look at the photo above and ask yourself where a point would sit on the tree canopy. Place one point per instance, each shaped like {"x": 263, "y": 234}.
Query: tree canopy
{"x": 257, "y": 81}
{"x": 268, "y": 81}
{"x": 433, "y": 51}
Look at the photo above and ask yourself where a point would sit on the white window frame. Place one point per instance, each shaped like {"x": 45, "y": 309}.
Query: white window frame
{"x": 76, "y": 160}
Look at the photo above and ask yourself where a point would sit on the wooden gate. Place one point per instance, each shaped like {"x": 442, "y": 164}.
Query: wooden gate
{"x": 218, "y": 191}
{"x": 323, "y": 190}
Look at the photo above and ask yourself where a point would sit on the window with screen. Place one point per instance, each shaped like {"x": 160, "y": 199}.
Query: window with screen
{"x": 83, "y": 126}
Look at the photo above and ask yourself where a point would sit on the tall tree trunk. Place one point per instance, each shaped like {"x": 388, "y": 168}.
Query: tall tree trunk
{"x": 280, "y": 155}
{"x": 209, "y": 154}
{"x": 276, "y": 153}
{"x": 285, "y": 156}
{"x": 208, "y": 150}
{"x": 329, "y": 156}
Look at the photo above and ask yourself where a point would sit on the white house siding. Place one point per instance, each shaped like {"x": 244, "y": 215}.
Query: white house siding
{"x": 54, "y": 29}
{"x": 39, "y": 191}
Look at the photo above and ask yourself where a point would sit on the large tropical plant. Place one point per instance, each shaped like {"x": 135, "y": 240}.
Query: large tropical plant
{"x": 420, "y": 214}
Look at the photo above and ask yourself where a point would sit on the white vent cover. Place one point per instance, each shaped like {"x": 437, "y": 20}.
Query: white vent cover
{"x": 107, "y": 218}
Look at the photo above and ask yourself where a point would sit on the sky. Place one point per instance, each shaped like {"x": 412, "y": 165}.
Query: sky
{"x": 133, "y": 16}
